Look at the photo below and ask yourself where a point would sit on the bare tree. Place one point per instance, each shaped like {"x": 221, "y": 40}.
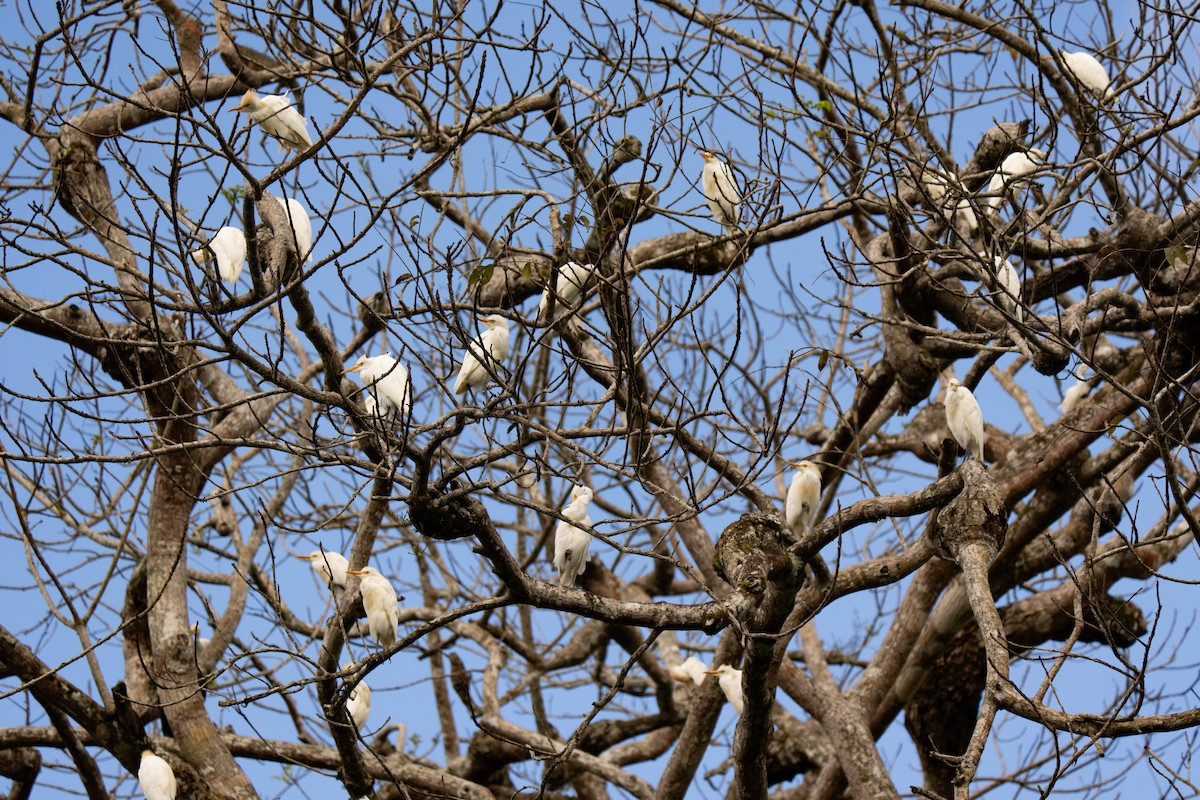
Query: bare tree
{"x": 175, "y": 436}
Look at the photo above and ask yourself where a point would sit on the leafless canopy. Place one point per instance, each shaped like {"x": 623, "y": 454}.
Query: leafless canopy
{"x": 172, "y": 442}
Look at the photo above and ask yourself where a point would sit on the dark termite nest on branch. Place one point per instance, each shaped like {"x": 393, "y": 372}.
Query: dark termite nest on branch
{"x": 753, "y": 552}
{"x": 446, "y": 516}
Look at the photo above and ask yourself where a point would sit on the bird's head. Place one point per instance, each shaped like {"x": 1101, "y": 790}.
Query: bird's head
{"x": 721, "y": 670}
{"x": 804, "y": 466}
{"x": 358, "y": 365}
{"x": 363, "y": 571}
{"x": 953, "y": 383}
{"x": 493, "y": 321}
{"x": 581, "y": 491}
{"x": 707, "y": 156}
{"x": 248, "y": 100}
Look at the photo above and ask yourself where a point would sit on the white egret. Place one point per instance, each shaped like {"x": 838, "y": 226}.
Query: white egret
{"x": 228, "y": 247}
{"x": 358, "y": 705}
{"x": 490, "y": 348}
{"x": 381, "y": 604}
{"x": 1089, "y": 72}
{"x": 297, "y": 216}
{"x": 937, "y": 185}
{"x": 720, "y": 191}
{"x": 1074, "y": 395}
{"x": 331, "y": 567}
{"x": 730, "y": 681}
{"x": 156, "y": 778}
{"x": 803, "y": 497}
{"x": 1012, "y": 170}
{"x": 965, "y": 419}
{"x": 692, "y": 669}
{"x": 572, "y": 278}
{"x": 1008, "y": 286}
{"x": 276, "y": 116}
{"x": 388, "y": 389}
{"x": 570, "y": 542}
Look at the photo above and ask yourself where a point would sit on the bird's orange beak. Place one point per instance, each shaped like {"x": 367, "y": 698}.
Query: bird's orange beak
{"x": 712, "y": 672}
{"x": 355, "y": 368}
{"x": 356, "y": 572}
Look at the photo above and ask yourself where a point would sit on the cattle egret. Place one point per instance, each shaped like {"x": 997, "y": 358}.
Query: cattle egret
{"x": 228, "y": 247}
{"x": 937, "y": 184}
{"x": 1012, "y": 170}
{"x": 276, "y": 116}
{"x": 692, "y": 669}
{"x": 156, "y": 778}
{"x": 380, "y": 602}
{"x": 720, "y": 191}
{"x": 572, "y": 278}
{"x": 1089, "y": 72}
{"x": 1075, "y": 394}
{"x": 730, "y": 681}
{"x": 358, "y": 705}
{"x": 571, "y": 542}
{"x": 964, "y": 419}
{"x": 1008, "y": 286}
{"x": 489, "y": 348}
{"x": 297, "y": 216}
{"x": 332, "y": 569}
{"x": 804, "y": 494}
{"x": 388, "y": 389}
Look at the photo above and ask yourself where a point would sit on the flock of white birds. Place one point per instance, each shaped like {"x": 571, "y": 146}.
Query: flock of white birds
{"x": 389, "y": 392}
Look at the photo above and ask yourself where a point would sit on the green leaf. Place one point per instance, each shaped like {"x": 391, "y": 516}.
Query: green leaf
{"x": 481, "y": 274}
{"x": 823, "y": 360}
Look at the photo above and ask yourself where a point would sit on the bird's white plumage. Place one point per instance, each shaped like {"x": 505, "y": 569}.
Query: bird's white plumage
{"x": 277, "y": 117}
{"x": 939, "y": 186}
{"x": 358, "y": 705}
{"x": 730, "y": 680}
{"x": 1012, "y": 171}
{"x": 389, "y": 392}
{"x": 228, "y": 248}
{"x": 490, "y": 348}
{"x": 721, "y": 191}
{"x": 965, "y": 419}
{"x": 803, "y": 497}
{"x": 381, "y": 604}
{"x": 692, "y": 669}
{"x": 572, "y": 278}
{"x": 156, "y": 778}
{"x": 571, "y": 542}
{"x": 1089, "y": 72}
{"x": 298, "y": 218}
{"x": 1008, "y": 286}
{"x": 1074, "y": 395}
{"x": 331, "y": 567}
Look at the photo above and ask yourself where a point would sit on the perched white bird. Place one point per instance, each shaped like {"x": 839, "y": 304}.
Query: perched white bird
{"x": 490, "y": 348}
{"x": 332, "y": 569}
{"x": 1012, "y": 171}
{"x": 1074, "y": 395}
{"x": 388, "y": 389}
{"x": 156, "y": 778}
{"x": 228, "y": 247}
{"x": 938, "y": 184}
{"x": 381, "y": 604}
{"x": 1008, "y": 286}
{"x": 1089, "y": 72}
{"x": 692, "y": 669}
{"x": 730, "y": 681}
{"x": 720, "y": 191}
{"x": 965, "y": 419}
{"x": 572, "y": 278}
{"x": 276, "y": 116}
{"x": 297, "y": 216}
{"x": 570, "y": 542}
{"x": 358, "y": 705}
{"x": 803, "y": 497}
